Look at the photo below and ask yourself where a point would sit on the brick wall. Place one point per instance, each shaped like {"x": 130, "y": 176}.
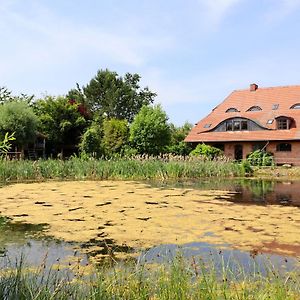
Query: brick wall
{"x": 280, "y": 157}
{"x": 286, "y": 157}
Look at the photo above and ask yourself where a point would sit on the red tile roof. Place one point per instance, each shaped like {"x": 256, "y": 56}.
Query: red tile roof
{"x": 242, "y": 100}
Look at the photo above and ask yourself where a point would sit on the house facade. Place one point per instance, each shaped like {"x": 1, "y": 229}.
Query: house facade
{"x": 251, "y": 119}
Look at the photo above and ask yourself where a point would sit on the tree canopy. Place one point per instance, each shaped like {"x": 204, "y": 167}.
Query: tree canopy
{"x": 150, "y": 133}
{"x": 110, "y": 115}
{"x": 114, "y": 96}
{"x": 60, "y": 120}
{"x": 178, "y": 133}
{"x": 18, "y": 118}
{"x": 115, "y": 135}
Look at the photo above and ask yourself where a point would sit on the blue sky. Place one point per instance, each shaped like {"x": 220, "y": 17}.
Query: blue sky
{"x": 193, "y": 53}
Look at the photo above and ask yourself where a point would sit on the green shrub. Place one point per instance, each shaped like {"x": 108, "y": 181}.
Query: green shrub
{"x": 91, "y": 142}
{"x": 246, "y": 166}
{"x": 207, "y": 151}
{"x": 115, "y": 136}
{"x": 260, "y": 158}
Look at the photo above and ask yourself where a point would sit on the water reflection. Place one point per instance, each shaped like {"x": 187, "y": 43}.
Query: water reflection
{"x": 220, "y": 256}
{"x": 27, "y": 240}
{"x": 268, "y": 192}
{"x": 249, "y": 191}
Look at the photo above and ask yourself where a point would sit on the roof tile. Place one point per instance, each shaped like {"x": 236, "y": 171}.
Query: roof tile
{"x": 242, "y": 100}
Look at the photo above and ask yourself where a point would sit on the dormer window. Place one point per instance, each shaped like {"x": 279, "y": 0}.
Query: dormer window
{"x": 295, "y": 106}
{"x": 236, "y": 125}
{"x": 283, "y": 123}
{"x": 207, "y": 125}
{"x": 254, "y": 108}
{"x": 275, "y": 106}
{"x": 232, "y": 109}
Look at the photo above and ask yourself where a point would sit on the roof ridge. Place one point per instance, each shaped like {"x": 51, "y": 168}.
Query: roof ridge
{"x": 270, "y": 87}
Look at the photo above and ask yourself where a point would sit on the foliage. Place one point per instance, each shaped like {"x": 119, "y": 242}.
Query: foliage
{"x": 91, "y": 140}
{"x": 150, "y": 132}
{"x": 115, "y": 135}
{"x": 114, "y": 96}
{"x": 179, "y": 278}
{"x": 177, "y": 145}
{"x": 260, "y": 158}
{"x": 5, "y": 144}
{"x": 207, "y": 151}
{"x": 60, "y": 120}
{"x": 7, "y": 96}
{"x": 134, "y": 168}
{"x": 18, "y": 118}
{"x": 247, "y": 167}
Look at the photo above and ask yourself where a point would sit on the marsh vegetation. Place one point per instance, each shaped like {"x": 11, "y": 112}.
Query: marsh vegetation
{"x": 134, "y": 168}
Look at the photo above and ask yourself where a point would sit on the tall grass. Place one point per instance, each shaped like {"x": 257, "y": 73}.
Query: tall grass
{"x": 138, "y": 168}
{"x": 178, "y": 279}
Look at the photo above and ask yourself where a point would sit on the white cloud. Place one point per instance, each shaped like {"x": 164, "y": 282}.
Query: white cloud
{"x": 39, "y": 39}
{"x": 215, "y": 11}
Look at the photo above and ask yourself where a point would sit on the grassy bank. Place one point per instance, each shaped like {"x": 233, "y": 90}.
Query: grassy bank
{"x": 179, "y": 279}
{"x": 278, "y": 172}
{"x": 138, "y": 168}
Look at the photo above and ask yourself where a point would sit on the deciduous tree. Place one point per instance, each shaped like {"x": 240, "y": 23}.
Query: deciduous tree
{"x": 19, "y": 118}
{"x": 150, "y": 132}
{"x": 114, "y": 96}
{"x": 177, "y": 145}
{"x": 61, "y": 120}
{"x": 115, "y": 135}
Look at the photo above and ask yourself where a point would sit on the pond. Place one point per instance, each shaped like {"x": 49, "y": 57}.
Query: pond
{"x": 237, "y": 219}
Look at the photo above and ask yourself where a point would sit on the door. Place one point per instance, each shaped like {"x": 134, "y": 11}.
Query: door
{"x": 238, "y": 152}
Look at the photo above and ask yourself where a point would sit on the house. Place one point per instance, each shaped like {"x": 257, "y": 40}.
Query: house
{"x": 254, "y": 118}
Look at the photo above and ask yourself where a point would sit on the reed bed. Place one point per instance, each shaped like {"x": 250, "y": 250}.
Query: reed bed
{"x": 135, "y": 168}
{"x": 180, "y": 279}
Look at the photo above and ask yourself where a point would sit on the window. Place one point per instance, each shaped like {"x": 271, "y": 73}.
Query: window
{"x": 236, "y": 125}
{"x": 270, "y": 121}
{"x": 229, "y": 126}
{"x": 244, "y": 125}
{"x": 284, "y": 147}
{"x": 283, "y": 123}
{"x": 254, "y": 108}
{"x": 207, "y": 125}
{"x": 275, "y": 106}
{"x": 232, "y": 109}
{"x": 295, "y": 106}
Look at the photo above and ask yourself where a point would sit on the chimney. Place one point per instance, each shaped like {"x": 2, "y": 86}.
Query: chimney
{"x": 253, "y": 87}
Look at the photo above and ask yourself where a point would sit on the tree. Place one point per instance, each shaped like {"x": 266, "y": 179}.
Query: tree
{"x": 177, "y": 145}
{"x": 62, "y": 122}
{"x": 19, "y": 118}
{"x": 115, "y": 135}
{"x": 114, "y": 96}
{"x": 150, "y": 132}
{"x": 91, "y": 141}
{"x": 7, "y": 96}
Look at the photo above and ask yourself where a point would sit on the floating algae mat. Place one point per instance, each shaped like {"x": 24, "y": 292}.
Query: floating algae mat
{"x": 127, "y": 216}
